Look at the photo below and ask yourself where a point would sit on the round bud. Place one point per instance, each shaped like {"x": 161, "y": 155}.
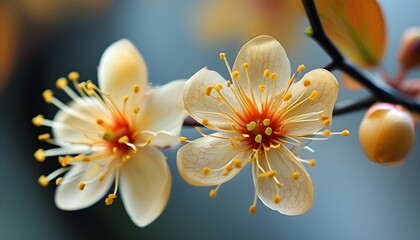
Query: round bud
{"x": 387, "y": 134}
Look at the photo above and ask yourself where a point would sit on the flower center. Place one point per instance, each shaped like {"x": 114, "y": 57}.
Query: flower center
{"x": 119, "y": 137}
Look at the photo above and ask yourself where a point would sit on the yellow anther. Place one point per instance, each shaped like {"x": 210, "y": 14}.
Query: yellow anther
{"x": 38, "y": 120}
{"x": 268, "y": 174}
{"x": 218, "y": 87}
{"x": 136, "y": 88}
{"x": 101, "y": 176}
{"x": 258, "y": 138}
{"x": 306, "y": 82}
{"x": 277, "y": 199}
{"x": 301, "y": 68}
{"x": 39, "y": 155}
{"x": 109, "y": 201}
{"x": 82, "y": 186}
{"x": 125, "y": 98}
{"x": 345, "y": 133}
{"x": 48, "y": 96}
{"x": 44, "y": 136}
{"x": 206, "y": 171}
{"x": 295, "y": 175}
{"x": 268, "y": 131}
{"x": 251, "y": 126}
{"x": 237, "y": 162}
{"x": 64, "y": 161}
{"x": 228, "y": 169}
{"x": 222, "y": 56}
{"x": 136, "y": 110}
{"x": 149, "y": 139}
{"x": 81, "y": 85}
{"x": 324, "y": 116}
{"x": 43, "y": 181}
{"x": 266, "y": 73}
{"x": 114, "y": 149}
{"x": 205, "y": 122}
{"x": 311, "y": 163}
{"x": 58, "y": 181}
{"x": 327, "y": 132}
{"x": 314, "y": 95}
{"x": 123, "y": 139}
{"x": 228, "y": 84}
{"x": 245, "y": 65}
{"x": 208, "y": 90}
{"x": 91, "y": 86}
{"x": 100, "y": 122}
{"x": 266, "y": 122}
{"x": 291, "y": 80}
{"x": 213, "y": 193}
{"x": 273, "y": 76}
{"x": 287, "y": 96}
{"x": 235, "y": 74}
{"x": 182, "y": 139}
{"x": 326, "y": 122}
{"x": 61, "y": 83}
{"x": 112, "y": 196}
{"x": 261, "y": 88}
{"x": 252, "y": 209}
{"x": 233, "y": 126}
{"x": 74, "y": 76}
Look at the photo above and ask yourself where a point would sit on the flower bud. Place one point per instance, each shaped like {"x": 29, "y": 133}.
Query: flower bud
{"x": 409, "y": 54}
{"x": 387, "y": 134}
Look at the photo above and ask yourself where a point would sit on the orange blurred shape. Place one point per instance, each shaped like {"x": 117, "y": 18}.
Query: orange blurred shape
{"x": 356, "y": 27}
{"x": 350, "y": 83}
{"x": 409, "y": 53}
{"x": 8, "y": 41}
{"x": 387, "y": 134}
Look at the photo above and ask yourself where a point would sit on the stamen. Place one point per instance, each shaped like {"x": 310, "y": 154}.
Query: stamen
{"x": 327, "y": 132}
{"x": 40, "y": 155}
{"x": 237, "y": 162}
{"x": 295, "y": 175}
{"x": 277, "y": 199}
{"x": 306, "y": 82}
{"x": 48, "y": 96}
{"x": 268, "y": 131}
{"x": 61, "y": 83}
{"x": 136, "y": 88}
{"x": 222, "y": 56}
{"x": 44, "y": 137}
{"x": 205, "y": 122}
{"x": 287, "y": 96}
{"x": 235, "y": 74}
{"x": 345, "y": 133}
{"x": 182, "y": 139}
{"x": 258, "y": 138}
{"x": 326, "y": 122}
{"x": 218, "y": 87}
{"x": 301, "y": 68}
{"x": 311, "y": 163}
{"x": 314, "y": 95}
{"x": 245, "y": 65}
{"x": 101, "y": 176}
{"x": 82, "y": 186}
{"x": 123, "y": 139}
{"x": 206, "y": 171}
{"x": 58, "y": 181}
{"x": 251, "y": 126}
{"x": 228, "y": 169}
{"x": 261, "y": 88}
{"x": 213, "y": 192}
{"x": 324, "y": 116}
{"x": 73, "y": 76}
{"x": 208, "y": 90}
{"x": 43, "y": 181}
{"x": 266, "y": 122}
{"x": 38, "y": 120}
{"x": 268, "y": 174}
{"x": 252, "y": 209}
{"x": 266, "y": 73}
{"x": 273, "y": 76}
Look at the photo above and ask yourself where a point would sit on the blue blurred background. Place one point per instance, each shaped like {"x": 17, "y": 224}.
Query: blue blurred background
{"x": 354, "y": 198}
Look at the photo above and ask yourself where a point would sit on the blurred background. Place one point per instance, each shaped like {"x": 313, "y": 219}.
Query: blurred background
{"x": 43, "y": 40}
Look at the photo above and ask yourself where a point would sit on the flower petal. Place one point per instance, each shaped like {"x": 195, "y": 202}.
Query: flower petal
{"x": 145, "y": 185}
{"x": 326, "y": 84}
{"x": 79, "y": 115}
{"x": 68, "y": 196}
{"x": 296, "y": 195}
{"x": 214, "y": 152}
{"x": 202, "y": 106}
{"x": 120, "y": 68}
{"x": 163, "y": 113}
{"x": 261, "y": 53}
{"x": 359, "y": 34}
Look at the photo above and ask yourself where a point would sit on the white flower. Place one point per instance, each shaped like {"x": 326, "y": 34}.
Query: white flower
{"x": 261, "y": 117}
{"x": 109, "y": 135}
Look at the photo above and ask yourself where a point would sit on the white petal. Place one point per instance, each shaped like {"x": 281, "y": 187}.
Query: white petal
{"x": 261, "y": 53}
{"x": 68, "y": 196}
{"x": 163, "y": 113}
{"x": 75, "y": 123}
{"x": 120, "y": 68}
{"x": 326, "y": 85}
{"x": 145, "y": 185}
{"x": 296, "y": 195}
{"x": 200, "y": 106}
{"x": 214, "y": 153}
